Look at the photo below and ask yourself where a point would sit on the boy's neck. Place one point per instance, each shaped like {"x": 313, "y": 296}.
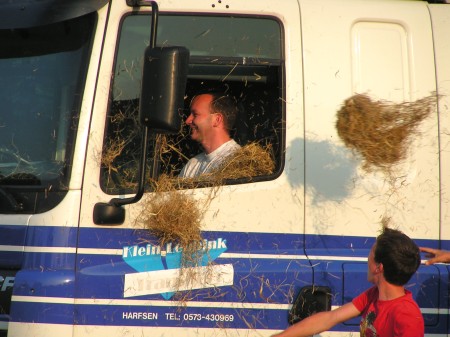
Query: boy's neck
{"x": 388, "y": 291}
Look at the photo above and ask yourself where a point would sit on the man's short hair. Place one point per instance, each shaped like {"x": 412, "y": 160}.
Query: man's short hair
{"x": 399, "y": 255}
{"x": 224, "y": 104}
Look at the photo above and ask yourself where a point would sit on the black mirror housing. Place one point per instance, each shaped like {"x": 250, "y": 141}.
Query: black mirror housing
{"x": 108, "y": 214}
{"x": 163, "y": 87}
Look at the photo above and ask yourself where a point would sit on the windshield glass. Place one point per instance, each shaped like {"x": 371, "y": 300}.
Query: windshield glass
{"x": 42, "y": 73}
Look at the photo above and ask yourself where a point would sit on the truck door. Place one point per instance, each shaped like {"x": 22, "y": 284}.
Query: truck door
{"x": 385, "y": 51}
{"x": 129, "y": 278}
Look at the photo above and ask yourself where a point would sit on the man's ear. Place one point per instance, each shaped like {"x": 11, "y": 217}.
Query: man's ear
{"x": 218, "y": 119}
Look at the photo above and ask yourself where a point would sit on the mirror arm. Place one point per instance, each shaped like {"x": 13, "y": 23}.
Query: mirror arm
{"x": 155, "y": 12}
{"x": 142, "y": 164}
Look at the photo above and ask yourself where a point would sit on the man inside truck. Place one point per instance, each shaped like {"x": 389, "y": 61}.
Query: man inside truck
{"x": 387, "y": 309}
{"x": 212, "y": 116}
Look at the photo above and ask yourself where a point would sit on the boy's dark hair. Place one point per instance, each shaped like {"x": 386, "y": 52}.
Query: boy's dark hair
{"x": 399, "y": 255}
{"x": 224, "y": 104}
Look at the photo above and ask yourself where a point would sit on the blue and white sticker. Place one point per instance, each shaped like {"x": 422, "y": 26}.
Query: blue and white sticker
{"x": 159, "y": 269}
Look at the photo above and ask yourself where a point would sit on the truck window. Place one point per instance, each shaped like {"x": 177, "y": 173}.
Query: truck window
{"x": 42, "y": 71}
{"x": 240, "y": 55}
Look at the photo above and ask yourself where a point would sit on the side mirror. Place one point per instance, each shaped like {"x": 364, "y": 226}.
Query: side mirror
{"x": 164, "y": 80}
{"x": 108, "y": 214}
{"x": 163, "y": 86}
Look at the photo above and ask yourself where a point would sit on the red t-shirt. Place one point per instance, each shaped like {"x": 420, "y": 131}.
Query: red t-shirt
{"x": 400, "y": 317}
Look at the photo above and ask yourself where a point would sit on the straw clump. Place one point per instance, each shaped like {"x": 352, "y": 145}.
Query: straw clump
{"x": 251, "y": 160}
{"x": 173, "y": 215}
{"x": 381, "y": 131}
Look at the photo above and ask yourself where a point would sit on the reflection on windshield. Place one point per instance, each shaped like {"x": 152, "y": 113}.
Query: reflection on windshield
{"x": 42, "y": 73}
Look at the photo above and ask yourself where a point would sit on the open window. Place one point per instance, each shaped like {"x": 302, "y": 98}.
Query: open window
{"x": 239, "y": 55}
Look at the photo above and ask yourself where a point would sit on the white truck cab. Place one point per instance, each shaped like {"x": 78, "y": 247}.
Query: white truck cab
{"x": 82, "y": 111}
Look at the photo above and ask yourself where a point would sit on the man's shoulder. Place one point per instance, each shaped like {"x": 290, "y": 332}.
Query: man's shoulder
{"x": 230, "y": 146}
{"x": 196, "y": 160}
{"x": 234, "y": 144}
{"x": 193, "y": 165}
{"x": 224, "y": 150}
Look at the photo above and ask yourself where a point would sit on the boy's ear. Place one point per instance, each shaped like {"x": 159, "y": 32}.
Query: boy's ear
{"x": 380, "y": 268}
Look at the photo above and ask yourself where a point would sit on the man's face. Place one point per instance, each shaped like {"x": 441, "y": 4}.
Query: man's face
{"x": 201, "y": 120}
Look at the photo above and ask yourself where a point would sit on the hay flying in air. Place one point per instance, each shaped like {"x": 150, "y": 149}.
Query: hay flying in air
{"x": 380, "y": 131}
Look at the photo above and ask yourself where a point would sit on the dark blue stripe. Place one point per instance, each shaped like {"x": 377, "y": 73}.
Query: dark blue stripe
{"x": 238, "y": 242}
{"x": 346, "y": 245}
{"x": 11, "y": 260}
{"x": 174, "y": 316}
{"x": 51, "y": 236}
{"x": 45, "y": 284}
{"x": 263, "y": 243}
{"x": 42, "y": 313}
{"x": 38, "y": 236}
{"x": 48, "y": 261}
{"x": 179, "y": 316}
{"x": 12, "y": 236}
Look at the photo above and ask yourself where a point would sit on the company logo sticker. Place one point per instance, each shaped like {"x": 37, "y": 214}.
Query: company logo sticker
{"x": 159, "y": 269}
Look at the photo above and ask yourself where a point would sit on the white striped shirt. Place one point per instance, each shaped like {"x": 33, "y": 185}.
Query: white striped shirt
{"x": 205, "y": 163}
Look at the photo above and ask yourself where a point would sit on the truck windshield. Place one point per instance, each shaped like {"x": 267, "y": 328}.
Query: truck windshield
{"x": 41, "y": 84}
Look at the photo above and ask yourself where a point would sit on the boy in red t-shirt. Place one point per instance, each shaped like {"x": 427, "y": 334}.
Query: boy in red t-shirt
{"x": 387, "y": 309}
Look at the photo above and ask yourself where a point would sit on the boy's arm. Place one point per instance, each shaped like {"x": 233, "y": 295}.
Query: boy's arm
{"x": 321, "y": 321}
